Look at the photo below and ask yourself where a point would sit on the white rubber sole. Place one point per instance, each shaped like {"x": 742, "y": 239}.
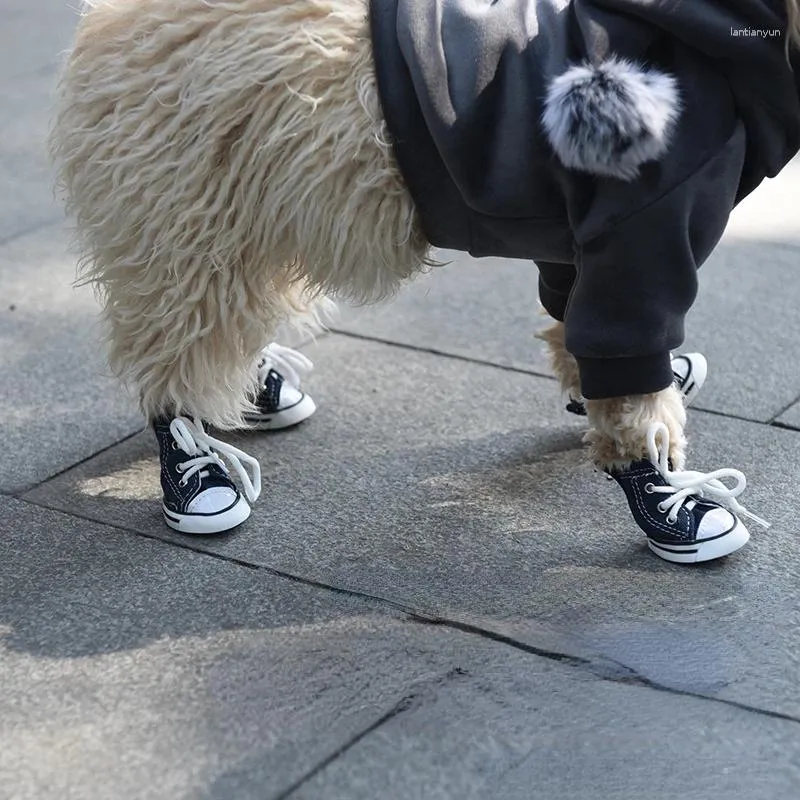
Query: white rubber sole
{"x": 207, "y": 524}
{"x": 704, "y": 550}
{"x": 286, "y": 418}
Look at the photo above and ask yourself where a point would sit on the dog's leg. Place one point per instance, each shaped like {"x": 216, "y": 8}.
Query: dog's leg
{"x": 225, "y": 170}
{"x": 562, "y": 362}
{"x": 187, "y": 343}
{"x": 620, "y": 426}
{"x": 688, "y": 516}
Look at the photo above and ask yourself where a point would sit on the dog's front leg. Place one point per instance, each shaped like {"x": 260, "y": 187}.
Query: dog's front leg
{"x": 620, "y": 426}
{"x": 562, "y": 362}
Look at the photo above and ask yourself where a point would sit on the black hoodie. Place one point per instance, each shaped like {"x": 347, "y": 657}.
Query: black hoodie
{"x": 611, "y": 136}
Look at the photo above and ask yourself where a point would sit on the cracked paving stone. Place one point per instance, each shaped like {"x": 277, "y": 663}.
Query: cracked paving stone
{"x": 461, "y": 490}
{"x": 520, "y": 731}
{"x": 135, "y": 668}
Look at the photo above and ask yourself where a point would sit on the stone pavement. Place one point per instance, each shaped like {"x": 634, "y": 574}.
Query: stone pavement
{"x": 436, "y": 597}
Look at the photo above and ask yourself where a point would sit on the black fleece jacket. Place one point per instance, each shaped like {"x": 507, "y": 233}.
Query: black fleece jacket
{"x": 631, "y": 187}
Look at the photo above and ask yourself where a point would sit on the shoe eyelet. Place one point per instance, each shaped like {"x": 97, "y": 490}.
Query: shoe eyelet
{"x": 179, "y": 468}
{"x": 661, "y": 508}
{"x": 182, "y": 483}
{"x": 671, "y": 520}
{"x": 174, "y": 445}
{"x": 648, "y": 487}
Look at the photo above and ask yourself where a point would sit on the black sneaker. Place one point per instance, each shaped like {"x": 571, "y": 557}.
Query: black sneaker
{"x": 280, "y": 402}
{"x": 690, "y": 371}
{"x": 688, "y": 516}
{"x": 199, "y": 495}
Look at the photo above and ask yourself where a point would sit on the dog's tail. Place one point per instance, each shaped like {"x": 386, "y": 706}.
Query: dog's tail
{"x": 610, "y": 118}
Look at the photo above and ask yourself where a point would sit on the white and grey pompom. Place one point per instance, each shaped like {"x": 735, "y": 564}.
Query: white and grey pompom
{"x": 609, "y": 119}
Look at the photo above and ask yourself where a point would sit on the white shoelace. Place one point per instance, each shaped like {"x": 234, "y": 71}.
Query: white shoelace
{"x": 683, "y": 484}
{"x": 291, "y": 365}
{"x": 191, "y": 437}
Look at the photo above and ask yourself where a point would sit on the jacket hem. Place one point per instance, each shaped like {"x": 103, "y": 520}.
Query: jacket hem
{"x": 602, "y": 378}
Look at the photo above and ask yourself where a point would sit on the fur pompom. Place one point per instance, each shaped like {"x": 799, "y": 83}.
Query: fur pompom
{"x": 611, "y": 118}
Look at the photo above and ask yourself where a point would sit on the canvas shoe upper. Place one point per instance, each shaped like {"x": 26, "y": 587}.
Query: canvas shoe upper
{"x": 199, "y": 495}
{"x": 690, "y": 371}
{"x": 687, "y": 516}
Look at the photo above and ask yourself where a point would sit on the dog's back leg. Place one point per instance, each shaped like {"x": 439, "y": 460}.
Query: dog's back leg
{"x": 224, "y": 165}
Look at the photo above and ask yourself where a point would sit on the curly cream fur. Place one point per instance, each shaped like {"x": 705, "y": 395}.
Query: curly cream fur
{"x": 562, "y": 362}
{"x": 619, "y": 427}
{"x": 227, "y": 165}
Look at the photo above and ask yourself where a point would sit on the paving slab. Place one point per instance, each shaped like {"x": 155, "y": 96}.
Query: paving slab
{"x": 57, "y": 403}
{"x": 768, "y": 214}
{"x": 27, "y": 201}
{"x": 746, "y": 324}
{"x": 33, "y": 39}
{"x": 462, "y": 490}
{"x": 791, "y": 416}
{"x": 536, "y": 734}
{"x": 743, "y": 319}
{"x": 485, "y": 309}
{"x": 33, "y": 35}
{"x": 135, "y": 669}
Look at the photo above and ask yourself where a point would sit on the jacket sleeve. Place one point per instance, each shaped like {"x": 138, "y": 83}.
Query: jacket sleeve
{"x": 649, "y": 192}
{"x": 637, "y": 267}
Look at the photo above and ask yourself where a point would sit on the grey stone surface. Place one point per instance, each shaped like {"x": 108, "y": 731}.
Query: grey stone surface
{"x": 484, "y": 309}
{"x": 536, "y": 733}
{"x": 135, "y": 669}
{"x": 34, "y": 34}
{"x": 27, "y": 200}
{"x": 57, "y": 403}
{"x": 463, "y": 490}
{"x": 745, "y": 322}
{"x": 745, "y": 319}
{"x": 791, "y": 416}
{"x": 132, "y": 669}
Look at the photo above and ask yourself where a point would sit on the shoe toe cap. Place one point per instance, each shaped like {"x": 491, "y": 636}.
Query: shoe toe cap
{"x": 716, "y": 522}
{"x": 213, "y": 500}
{"x": 290, "y": 396}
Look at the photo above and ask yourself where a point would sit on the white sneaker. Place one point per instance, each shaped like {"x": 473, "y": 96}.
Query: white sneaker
{"x": 199, "y": 495}
{"x": 690, "y": 371}
{"x": 688, "y": 516}
{"x": 280, "y": 401}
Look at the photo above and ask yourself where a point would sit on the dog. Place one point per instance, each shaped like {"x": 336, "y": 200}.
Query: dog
{"x": 232, "y": 165}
